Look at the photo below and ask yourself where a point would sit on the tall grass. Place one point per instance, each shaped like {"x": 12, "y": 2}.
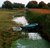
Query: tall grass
{"x": 6, "y": 24}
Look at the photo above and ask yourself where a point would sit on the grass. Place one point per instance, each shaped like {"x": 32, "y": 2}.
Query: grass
{"x": 5, "y": 23}
{"x": 6, "y": 33}
{"x": 6, "y": 18}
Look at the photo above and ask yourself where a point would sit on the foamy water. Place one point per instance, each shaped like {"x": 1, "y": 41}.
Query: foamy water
{"x": 34, "y": 36}
{"x": 22, "y": 20}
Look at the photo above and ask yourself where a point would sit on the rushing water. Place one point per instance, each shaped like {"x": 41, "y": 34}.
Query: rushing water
{"x": 22, "y": 20}
{"x": 33, "y": 36}
{"x": 34, "y": 40}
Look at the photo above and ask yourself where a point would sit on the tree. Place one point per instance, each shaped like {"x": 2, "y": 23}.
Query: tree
{"x": 42, "y": 5}
{"x": 15, "y": 5}
{"x": 7, "y": 5}
{"x": 48, "y": 5}
{"x": 18, "y": 5}
{"x": 32, "y": 4}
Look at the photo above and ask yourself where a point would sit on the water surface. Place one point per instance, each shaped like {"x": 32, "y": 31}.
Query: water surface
{"x": 34, "y": 40}
{"x": 22, "y": 20}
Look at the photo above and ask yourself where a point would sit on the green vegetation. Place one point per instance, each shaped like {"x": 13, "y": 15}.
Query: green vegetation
{"x": 34, "y": 4}
{"x": 6, "y": 24}
{"x": 43, "y": 20}
{"x": 42, "y": 5}
{"x": 48, "y": 5}
{"x": 9, "y": 5}
{"x": 18, "y": 5}
{"x": 31, "y": 4}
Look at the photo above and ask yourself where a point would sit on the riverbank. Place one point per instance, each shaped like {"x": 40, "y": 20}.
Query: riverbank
{"x": 6, "y": 33}
{"x": 43, "y": 20}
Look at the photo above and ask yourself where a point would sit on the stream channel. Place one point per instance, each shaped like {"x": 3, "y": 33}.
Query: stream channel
{"x": 34, "y": 40}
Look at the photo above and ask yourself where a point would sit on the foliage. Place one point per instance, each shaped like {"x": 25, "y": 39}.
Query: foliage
{"x": 7, "y": 5}
{"x": 48, "y": 5}
{"x": 43, "y": 20}
{"x": 42, "y": 5}
{"x": 18, "y": 5}
{"x": 32, "y": 4}
{"x": 6, "y": 34}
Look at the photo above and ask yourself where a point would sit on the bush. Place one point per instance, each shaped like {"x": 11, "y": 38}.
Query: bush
{"x": 18, "y": 5}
